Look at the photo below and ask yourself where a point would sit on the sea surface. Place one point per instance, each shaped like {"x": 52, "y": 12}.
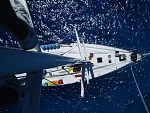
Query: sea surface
{"x": 117, "y": 23}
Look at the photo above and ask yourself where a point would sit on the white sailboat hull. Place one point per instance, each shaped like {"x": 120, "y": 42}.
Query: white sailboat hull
{"x": 103, "y": 58}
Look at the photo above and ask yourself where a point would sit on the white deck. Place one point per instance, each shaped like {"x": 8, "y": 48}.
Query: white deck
{"x": 108, "y": 62}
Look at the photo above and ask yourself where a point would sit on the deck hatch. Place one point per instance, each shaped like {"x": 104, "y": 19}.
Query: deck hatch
{"x": 122, "y": 57}
{"x": 99, "y": 60}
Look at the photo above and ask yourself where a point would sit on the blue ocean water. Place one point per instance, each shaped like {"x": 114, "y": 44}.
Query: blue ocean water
{"x": 118, "y": 23}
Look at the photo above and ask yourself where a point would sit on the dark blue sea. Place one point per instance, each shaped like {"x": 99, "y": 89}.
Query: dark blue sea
{"x": 117, "y": 23}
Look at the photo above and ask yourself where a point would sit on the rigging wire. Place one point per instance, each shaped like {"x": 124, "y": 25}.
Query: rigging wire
{"x": 145, "y": 54}
{"x": 125, "y": 51}
{"x": 68, "y": 50}
{"x": 79, "y": 101}
{"x": 146, "y": 108}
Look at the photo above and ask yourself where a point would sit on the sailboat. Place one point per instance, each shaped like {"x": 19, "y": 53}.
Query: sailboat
{"x": 103, "y": 60}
